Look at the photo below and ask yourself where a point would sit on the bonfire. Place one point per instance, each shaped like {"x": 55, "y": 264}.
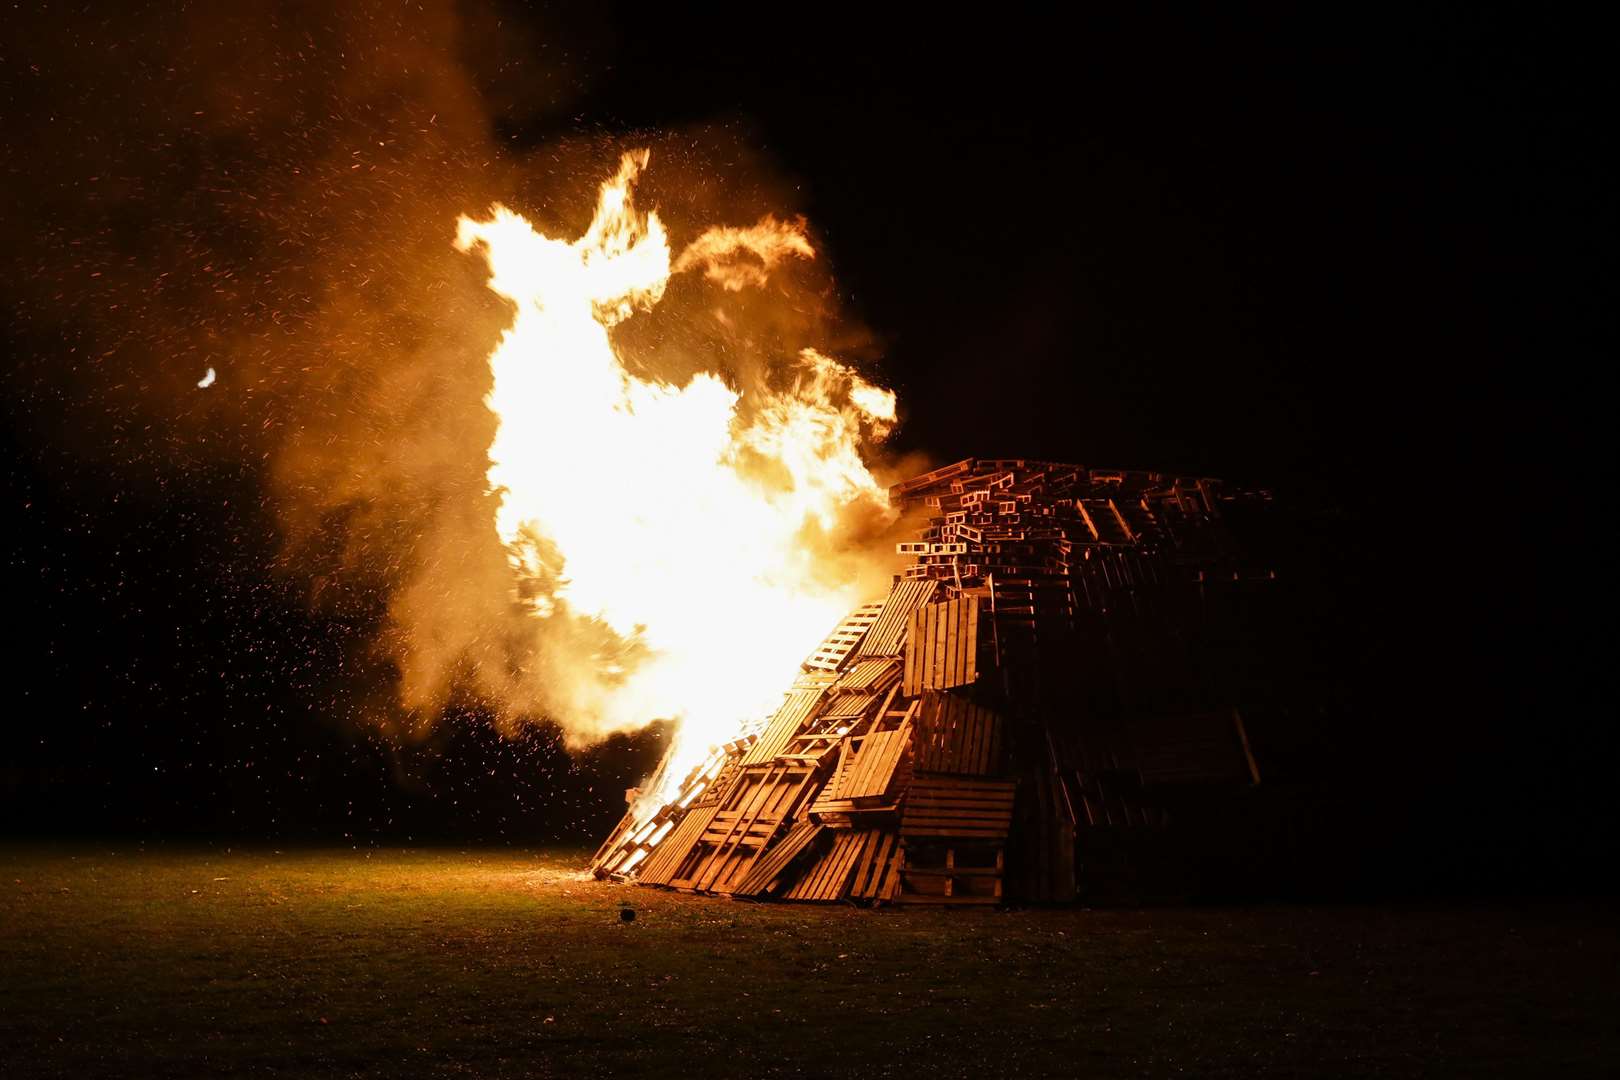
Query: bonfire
{"x": 949, "y": 741}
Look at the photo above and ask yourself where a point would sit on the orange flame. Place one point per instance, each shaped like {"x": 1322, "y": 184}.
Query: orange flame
{"x": 720, "y": 249}
{"x": 665, "y": 513}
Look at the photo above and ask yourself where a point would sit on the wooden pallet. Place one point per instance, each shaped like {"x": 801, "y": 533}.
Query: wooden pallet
{"x": 942, "y": 646}
{"x": 842, "y": 716}
{"x": 775, "y": 868}
{"x": 953, "y": 735}
{"x": 1202, "y": 748}
{"x": 877, "y": 868}
{"x": 1045, "y": 839}
{"x": 853, "y": 814}
{"x": 812, "y": 746}
{"x": 849, "y": 706}
{"x": 953, "y": 875}
{"x": 637, "y": 834}
{"x": 868, "y": 675}
{"x": 842, "y": 641}
{"x": 863, "y": 864}
{"x": 1105, "y": 522}
{"x": 742, "y": 827}
{"x": 888, "y": 634}
{"x": 795, "y": 712}
{"x": 666, "y": 859}
{"x": 957, "y": 806}
{"x": 1113, "y": 800}
{"x": 872, "y": 766}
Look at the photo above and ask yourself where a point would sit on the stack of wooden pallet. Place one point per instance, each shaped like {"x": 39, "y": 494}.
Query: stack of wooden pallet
{"x": 919, "y": 735}
{"x": 824, "y": 803}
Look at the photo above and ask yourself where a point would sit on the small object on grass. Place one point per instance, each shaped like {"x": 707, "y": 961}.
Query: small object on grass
{"x": 627, "y": 914}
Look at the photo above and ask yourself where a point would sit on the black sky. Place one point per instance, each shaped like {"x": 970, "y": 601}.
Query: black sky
{"x": 1360, "y": 258}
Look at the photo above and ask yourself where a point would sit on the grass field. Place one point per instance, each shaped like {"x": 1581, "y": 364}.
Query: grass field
{"x": 494, "y": 963}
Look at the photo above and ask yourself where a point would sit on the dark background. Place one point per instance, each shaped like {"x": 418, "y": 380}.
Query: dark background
{"x": 1355, "y": 259}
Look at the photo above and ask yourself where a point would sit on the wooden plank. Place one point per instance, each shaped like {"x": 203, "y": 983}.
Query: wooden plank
{"x": 916, "y": 646}
{"x": 890, "y": 887}
{"x": 971, "y": 658}
{"x": 960, "y": 901}
{"x": 933, "y": 813}
{"x": 920, "y": 812}
{"x": 938, "y": 621}
{"x": 940, "y": 815}
{"x": 1237, "y": 717}
{"x": 959, "y": 789}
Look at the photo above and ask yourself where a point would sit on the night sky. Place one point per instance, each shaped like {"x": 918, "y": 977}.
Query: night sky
{"x": 1356, "y": 259}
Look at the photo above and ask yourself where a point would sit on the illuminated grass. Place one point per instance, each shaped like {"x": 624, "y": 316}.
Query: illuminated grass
{"x": 123, "y": 963}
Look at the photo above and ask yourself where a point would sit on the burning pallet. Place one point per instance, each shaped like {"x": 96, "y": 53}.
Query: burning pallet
{"x": 929, "y": 745}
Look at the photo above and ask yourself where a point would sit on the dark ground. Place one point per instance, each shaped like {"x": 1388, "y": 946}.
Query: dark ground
{"x": 122, "y": 962}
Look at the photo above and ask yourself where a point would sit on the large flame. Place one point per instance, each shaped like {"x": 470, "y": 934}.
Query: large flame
{"x": 668, "y": 514}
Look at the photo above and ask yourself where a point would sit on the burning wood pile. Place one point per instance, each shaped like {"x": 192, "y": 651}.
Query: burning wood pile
{"x": 952, "y": 743}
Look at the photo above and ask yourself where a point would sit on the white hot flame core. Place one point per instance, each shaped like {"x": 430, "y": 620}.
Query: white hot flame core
{"x": 639, "y": 503}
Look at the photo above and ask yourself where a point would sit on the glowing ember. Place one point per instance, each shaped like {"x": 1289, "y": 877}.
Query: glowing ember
{"x": 671, "y": 514}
